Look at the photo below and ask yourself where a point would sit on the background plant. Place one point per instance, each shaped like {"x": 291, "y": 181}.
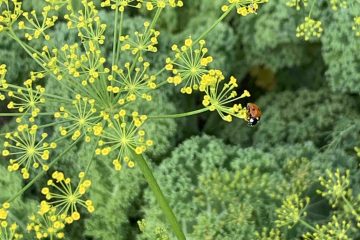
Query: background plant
{"x": 306, "y": 88}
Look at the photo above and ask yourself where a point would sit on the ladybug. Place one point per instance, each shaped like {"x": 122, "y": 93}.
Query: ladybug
{"x": 254, "y": 114}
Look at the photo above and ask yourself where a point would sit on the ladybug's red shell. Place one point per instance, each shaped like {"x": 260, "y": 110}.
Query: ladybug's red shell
{"x": 254, "y": 113}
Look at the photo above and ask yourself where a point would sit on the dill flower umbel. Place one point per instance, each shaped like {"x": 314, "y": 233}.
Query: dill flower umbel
{"x": 46, "y": 223}
{"x": 11, "y": 11}
{"x": 34, "y": 27}
{"x": 291, "y": 211}
{"x": 356, "y": 26}
{"x": 189, "y": 65}
{"x": 152, "y": 4}
{"x": 78, "y": 119}
{"x": 25, "y": 151}
{"x": 336, "y": 186}
{"x": 309, "y": 29}
{"x": 243, "y": 7}
{"x": 120, "y": 5}
{"x": 62, "y": 195}
{"x": 141, "y": 42}
{"x": 125, "y": 138}
{"x": 219, "y": 95}
{"x": 297, "y": 3}
{"x": 335, "y": 229}
{"x": 130, "y": 84}
{"x": 7, "y": 231}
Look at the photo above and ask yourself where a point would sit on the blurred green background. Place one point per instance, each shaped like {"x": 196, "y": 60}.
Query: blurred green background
{"x": 225, "y": 180}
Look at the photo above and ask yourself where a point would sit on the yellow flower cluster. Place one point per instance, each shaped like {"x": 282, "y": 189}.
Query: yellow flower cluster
{"x": 3, "y": 83}
{"x": 336, "y": 4}
{"x": 124, "y": 138}
{"x": 7, "y": 231}
{"x": 128, "y": 85}
{"x": 297, "y": 3}
{"x": 25, "y": 151}
{"x": 335, "y": 229}
{"x": 356, "y": 26}
{"x": 243, "y": 7}
{"x": 336, "y": 186}
{"x": 219, "y": 95}
{"x": 152, "y": 4}
{"x": 309, "y": 29}
{"x": 69, "y": 62}
{"x": 189, "y": 65}
{"x": 121, "y": 4}
{"x": 11, "y": 11}
{"x": 26, "y": 100}
{"x": 141, "y": 42}
{"x": 149, "y": 4}
{"x": 87, "y": 22}
{"x": 291, "y": 211}
{"x": 66, "y": 198}
{"x": 36, "y": 28}
{"x": 78, "y": 119}
{"x": 46, "y": 223}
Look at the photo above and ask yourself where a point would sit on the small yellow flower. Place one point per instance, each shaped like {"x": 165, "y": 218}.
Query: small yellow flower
{"x": 219, "y": 99}
{"x": 189, "y": 65}
{"x": 125, "y": 137}
{"x": 309, "y": 29}
{"x": 35, "y": 27}
{"x": 66, "y": 198}
{"x": 130, "y": 85}
{"x": 46, "y": 224}
{"x": 24, "y": 150}
{"x": 297, "y": 4}
{"x": 79, "y": 118}
{"x": 242, "y": 7}
{"x": 121, "y": 5}
{"x": 356, "y": 26}
{"x": 141, "y": 42}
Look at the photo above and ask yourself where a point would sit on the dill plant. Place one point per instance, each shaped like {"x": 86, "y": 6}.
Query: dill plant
{"x": 103, "y": 89}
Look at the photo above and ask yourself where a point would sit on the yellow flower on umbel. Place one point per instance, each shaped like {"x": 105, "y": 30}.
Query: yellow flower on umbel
{"x": 309, "y": 29}
{"x": 25, "y": 151}
{"x": 139, "y": 43}
{"x": 219, "y": 95}
{"x": 48, "y": 224}
{"x": 243, "y": 7}
{"x": 35, "y": 27}
{"x": 152, "y": 4}
{"x": 297, "y": 3}
{"x": 189, "y": 65}
{"x": 356, "y": 26}
{"x": 10, "y": 11}
{"x": 129, "y": 84}
{"x": 121, "y": 5}
{"x": 124, "y": 136}
{"x": 26, "y": 100}
{"x": 78, "y": 118}
{"x": 66, "y": 198}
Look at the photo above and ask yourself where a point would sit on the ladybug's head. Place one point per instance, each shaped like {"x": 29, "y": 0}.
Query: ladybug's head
{"x": 253, "y": 121}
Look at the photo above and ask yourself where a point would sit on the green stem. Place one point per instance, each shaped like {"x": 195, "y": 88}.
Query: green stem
{"x": 23, "y": 114}
{"x": 140, "y": 160}
{"x": 180, "y": 115}
{"x": 206, "y": 32}
{"x": 115, "y": 38}
{"x": 27, "y": 186}
{"x": 353, "y": 211}
{"x": 307, "y": 225}
{"x": 312, "y": 6}
{"x": 214, "y": 24}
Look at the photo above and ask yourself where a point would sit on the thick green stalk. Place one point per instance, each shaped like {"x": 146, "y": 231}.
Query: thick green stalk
{"x": 170, "y": 216}
{"x": 180, "y": 115}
